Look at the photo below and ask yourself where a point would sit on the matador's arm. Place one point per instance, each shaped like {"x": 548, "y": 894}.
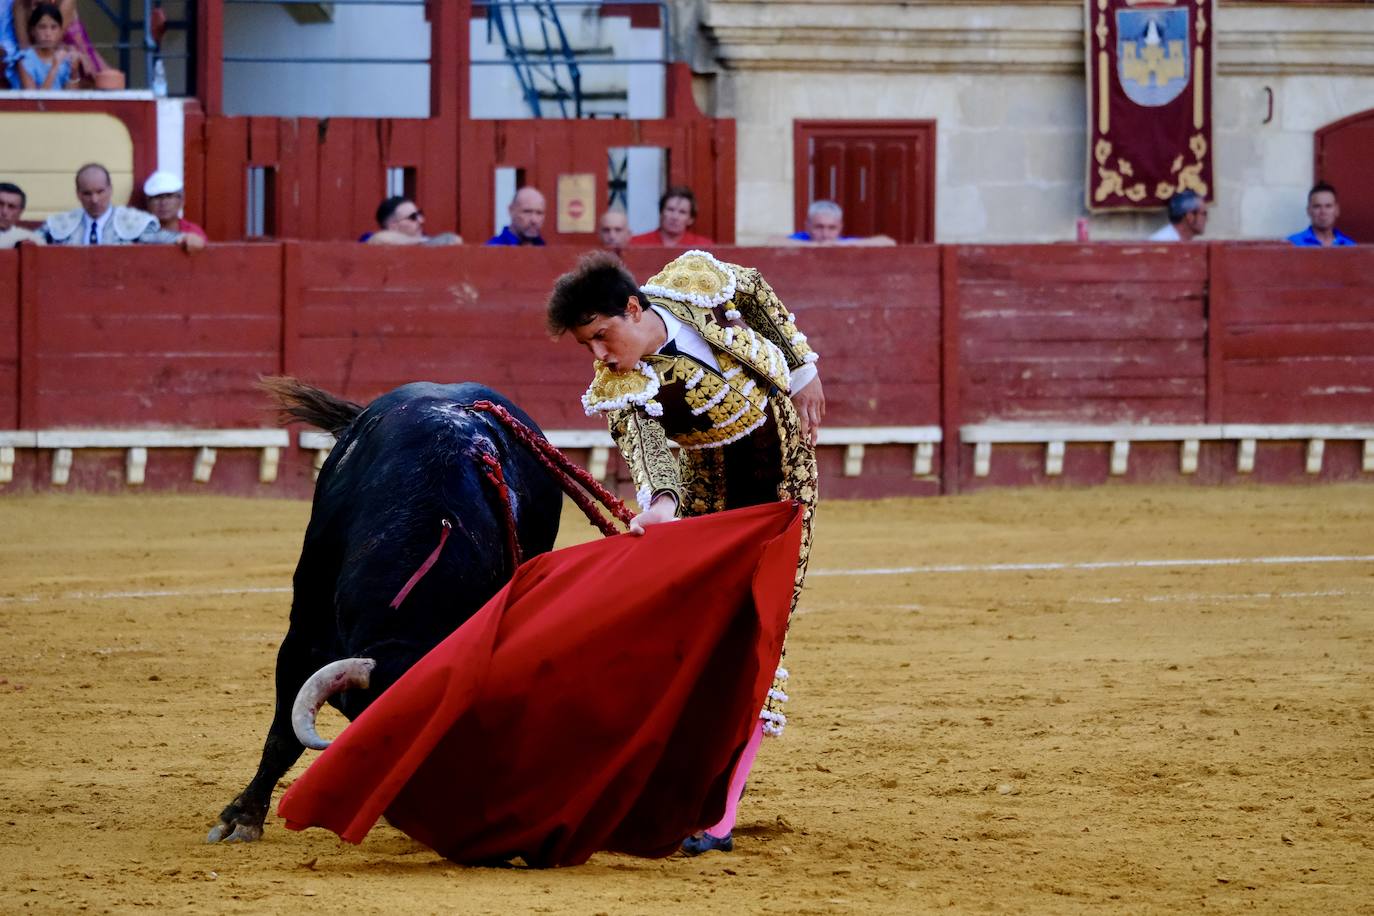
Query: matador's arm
{"x": 644, "y": 446}
{"x": 762, "y": 310}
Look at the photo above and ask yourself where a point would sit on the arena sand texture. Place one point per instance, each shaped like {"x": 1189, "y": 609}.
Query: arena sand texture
{"x": 1180, "y": 738}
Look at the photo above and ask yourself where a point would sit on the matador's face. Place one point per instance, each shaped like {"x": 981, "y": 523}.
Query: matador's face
{"x": 621, "y": 341}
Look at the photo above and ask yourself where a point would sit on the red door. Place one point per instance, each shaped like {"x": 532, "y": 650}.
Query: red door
{"x": 881, "y": 172}
{"x": 1343, "y": 161}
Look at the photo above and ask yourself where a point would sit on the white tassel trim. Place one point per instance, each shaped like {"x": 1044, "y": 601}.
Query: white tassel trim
{"x": 780, "y": 674}
{"x": 726, "y": 293}
{"x": 736, "y": 415}
{"x": 810, "y": 357}
{"x": 776, "y": 694}
{"x": 732, "y": 314}
{"x": 644, "y": 496}
{"x": 645, "y": 397}
{"x": 715, "y": 399}
{"x": 696, "y": 379}
{"x": 738, "y": 436}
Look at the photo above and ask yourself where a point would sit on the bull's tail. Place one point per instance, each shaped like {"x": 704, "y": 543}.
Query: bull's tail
{"x": 299, "y": 401}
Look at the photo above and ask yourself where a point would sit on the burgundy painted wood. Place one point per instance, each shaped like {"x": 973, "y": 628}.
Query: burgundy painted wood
{"x": 1082, "y": 333}
{"x": 881, "y": 172}
{"x": 149, "y": 337}
{"x": 922, "y": 336}
{"x": 1296, "y": 334}
{"x": 9, "y": 339}
{"x": 1342, "y": 160}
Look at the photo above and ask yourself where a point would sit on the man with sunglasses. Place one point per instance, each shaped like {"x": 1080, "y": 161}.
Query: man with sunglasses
{"x": 401, "y": 222}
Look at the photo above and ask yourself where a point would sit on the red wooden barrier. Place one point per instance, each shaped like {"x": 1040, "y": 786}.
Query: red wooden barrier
{"x": 1083, "y": 333}
{"x": 148, "y": 337}
{"x": 9, "y": 339}
{"x": 913, "y": 336}
{"x": 1296, "y": 334}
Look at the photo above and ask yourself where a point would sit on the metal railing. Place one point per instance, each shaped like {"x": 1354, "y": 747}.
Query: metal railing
{"x": 263, "y": 59}
{"x": 553, "y": 71}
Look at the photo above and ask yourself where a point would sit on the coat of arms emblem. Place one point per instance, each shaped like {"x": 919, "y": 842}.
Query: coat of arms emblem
{"x": 1152, "y": 60}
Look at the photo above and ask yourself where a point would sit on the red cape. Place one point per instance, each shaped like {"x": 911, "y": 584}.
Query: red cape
{"x": 599, "y": 701}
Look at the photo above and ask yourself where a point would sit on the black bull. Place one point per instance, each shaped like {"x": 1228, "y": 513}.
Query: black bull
{"x": 401, "y": 467}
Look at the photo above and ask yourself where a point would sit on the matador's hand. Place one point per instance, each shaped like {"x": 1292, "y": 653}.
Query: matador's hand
{"x": 810, "y": 404}
{"x": 662, "y": 509}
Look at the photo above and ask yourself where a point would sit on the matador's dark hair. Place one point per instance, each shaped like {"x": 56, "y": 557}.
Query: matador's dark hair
{"x": 598, "y": 285}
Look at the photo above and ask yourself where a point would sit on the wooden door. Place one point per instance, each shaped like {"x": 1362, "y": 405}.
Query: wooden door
{"x": 1343, "y": 161}
{"x": 881, "y": 172}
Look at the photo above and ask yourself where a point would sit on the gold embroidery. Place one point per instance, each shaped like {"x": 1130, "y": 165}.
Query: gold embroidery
{"x": 694, "y": 277}
{"x": 644, "y": 446}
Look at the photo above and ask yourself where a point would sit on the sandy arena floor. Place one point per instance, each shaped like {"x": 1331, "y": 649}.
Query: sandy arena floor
{"x": 1118, "y": 738}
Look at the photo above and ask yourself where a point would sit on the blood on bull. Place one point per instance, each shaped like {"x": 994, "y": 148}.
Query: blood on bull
{"x": 421, "y": 513}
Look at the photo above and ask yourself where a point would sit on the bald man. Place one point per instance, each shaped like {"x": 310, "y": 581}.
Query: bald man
{"x": 526, "y": 220}
{"x": 614, "y": 229}
{"x": 100, "y": 221}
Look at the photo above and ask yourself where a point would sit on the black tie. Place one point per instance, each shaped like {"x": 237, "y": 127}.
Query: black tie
{"x": 95, "y": 240}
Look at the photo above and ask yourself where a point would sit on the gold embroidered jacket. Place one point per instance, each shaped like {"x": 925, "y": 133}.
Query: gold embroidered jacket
{"x": 674, "y": 396}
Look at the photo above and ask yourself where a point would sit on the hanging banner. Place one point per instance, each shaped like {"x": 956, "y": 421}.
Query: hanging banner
{"x": 1149, "y": 74}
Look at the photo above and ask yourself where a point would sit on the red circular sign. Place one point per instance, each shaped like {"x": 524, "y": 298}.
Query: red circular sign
{"x": 576, "y": 209}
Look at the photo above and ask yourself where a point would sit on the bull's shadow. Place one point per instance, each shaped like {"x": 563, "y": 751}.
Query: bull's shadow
{"x": 412, "y": 480}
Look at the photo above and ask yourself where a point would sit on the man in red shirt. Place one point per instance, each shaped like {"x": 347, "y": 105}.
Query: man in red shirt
{"x": 677, "y": 211}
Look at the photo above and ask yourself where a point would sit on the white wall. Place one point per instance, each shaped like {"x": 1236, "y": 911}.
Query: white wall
{"x": 327, "y": 90}
{"x": 1005, "y": 85}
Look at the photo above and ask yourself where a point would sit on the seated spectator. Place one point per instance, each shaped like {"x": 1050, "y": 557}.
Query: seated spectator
{"x": 614, "y": 229}
{"x": 12, "y": 203}
{"x": 165, "y": 199}
{"x": 677, "y": 211}
{"x": 1323, "y": 211}
{"x": 85, "y": 59}
{"x": 526, "y": 220}
{"x": 825, "y": 226}
{"x": 46, "y": 63}
{"x": 1187, "y": 218}
{"x": 98, "y": 222}
{"x": 401, "y": 222}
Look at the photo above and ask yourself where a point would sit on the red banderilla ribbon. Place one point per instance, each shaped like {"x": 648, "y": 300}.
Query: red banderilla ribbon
{"x": 424, "y": 567}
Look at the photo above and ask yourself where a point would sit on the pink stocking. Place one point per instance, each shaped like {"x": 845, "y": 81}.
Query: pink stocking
{"x": 737, "y": 781}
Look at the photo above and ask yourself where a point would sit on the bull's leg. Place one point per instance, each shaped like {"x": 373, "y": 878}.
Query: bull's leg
{"x": 242, "y": 819}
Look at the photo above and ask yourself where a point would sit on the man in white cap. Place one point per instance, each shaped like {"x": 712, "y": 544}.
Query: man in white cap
{"x": 165, "y": 196}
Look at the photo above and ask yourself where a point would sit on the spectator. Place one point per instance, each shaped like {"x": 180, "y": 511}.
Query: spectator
{"x": 401, "y": 222}
{"x": 12, "y": 203}
{"x": 46, "y": 63}
{"x": 1323, "y": 211}
{"x": 1187, "y": 218}
{"x": 526, "y": 220}
{"x": 677, "y": 211}
{"x": 165, "y": 199}
{"x": 85, "y": 59}
{"x": 825, "y": 226}
{"x": 614, "y": 229}
{"x": 98, "y": 222}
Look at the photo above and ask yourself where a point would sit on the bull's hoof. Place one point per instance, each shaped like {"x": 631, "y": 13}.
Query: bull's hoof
{"x": 234, "y": 833}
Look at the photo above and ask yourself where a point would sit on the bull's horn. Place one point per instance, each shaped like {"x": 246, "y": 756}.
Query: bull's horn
{"x": 318, "y": 688}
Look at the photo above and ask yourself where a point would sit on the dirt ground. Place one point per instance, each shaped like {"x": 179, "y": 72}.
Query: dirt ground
{"x": 1061, "y": 739}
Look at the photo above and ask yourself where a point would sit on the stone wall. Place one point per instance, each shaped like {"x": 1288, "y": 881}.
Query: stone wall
{"x": 1004, "y": 83}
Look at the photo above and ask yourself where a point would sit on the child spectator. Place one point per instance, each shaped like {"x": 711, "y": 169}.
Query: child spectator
{"x": 46, "y": 63}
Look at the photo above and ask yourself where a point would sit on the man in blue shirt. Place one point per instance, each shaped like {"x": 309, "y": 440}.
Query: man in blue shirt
{"x": 1323, "y": 211}
{"x": 825, "y": 226}
{"x": 526, "y": 220}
